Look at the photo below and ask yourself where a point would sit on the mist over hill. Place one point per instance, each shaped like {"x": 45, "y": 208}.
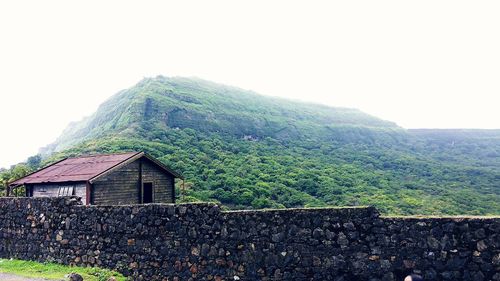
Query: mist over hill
{"x": 246, "y": 150}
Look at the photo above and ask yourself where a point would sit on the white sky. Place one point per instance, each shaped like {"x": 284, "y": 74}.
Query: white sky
{"x": 431, "y": 64}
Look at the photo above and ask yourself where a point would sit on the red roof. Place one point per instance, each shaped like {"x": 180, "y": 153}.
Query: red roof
{"x": 77, "y": 169}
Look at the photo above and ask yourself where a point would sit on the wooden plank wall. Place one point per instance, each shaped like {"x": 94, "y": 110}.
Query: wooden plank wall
{"x": 119, "y": 187}
{"x": 52, "y": 189}
{"x": 163, "y": 183}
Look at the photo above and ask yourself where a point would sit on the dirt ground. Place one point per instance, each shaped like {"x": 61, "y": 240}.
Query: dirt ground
{"x": 10, "y": 277}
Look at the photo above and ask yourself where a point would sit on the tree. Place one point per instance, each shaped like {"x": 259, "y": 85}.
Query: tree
{"x": 16, "y": 172}
{"x": 34, "y": 162}
{"x": 5, "y": 177}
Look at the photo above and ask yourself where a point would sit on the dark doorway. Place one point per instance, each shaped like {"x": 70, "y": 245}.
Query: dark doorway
{"x": 147, "y": 188}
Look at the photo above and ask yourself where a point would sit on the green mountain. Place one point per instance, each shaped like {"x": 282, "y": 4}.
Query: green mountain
{"x": 251, "y": 151}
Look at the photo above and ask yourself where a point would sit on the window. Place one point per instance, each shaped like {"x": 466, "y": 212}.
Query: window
{"x": 66, "y": 190}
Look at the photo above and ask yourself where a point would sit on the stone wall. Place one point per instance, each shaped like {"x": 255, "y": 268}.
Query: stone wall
{"x": 200, "y": 242}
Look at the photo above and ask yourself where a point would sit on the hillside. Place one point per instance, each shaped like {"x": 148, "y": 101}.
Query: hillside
{"x": 164, "y": 103}
{"x": 250, "y": 151}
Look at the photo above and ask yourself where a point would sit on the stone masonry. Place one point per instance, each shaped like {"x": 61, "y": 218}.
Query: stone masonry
{"x": 201, "y": 242}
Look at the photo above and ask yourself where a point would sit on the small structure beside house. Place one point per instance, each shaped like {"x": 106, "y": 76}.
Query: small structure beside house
{"x": 111, "y": 179}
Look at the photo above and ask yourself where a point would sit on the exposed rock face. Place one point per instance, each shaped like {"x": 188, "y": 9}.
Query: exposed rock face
{"x": 199, "y": 242}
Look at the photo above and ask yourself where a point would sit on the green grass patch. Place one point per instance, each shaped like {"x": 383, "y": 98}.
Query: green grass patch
{"x": 54, "y": 271}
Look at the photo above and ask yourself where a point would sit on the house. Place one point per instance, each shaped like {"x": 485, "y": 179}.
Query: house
{"x": 111, "y": 179}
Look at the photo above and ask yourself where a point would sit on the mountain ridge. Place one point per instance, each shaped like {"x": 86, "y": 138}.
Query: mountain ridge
{"x": 72, "y": 130}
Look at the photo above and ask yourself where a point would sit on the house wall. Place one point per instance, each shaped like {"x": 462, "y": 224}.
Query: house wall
{"x": 52, "y": 190}
{"x": 119, "y": 187}
{"x": 163, "y": 183}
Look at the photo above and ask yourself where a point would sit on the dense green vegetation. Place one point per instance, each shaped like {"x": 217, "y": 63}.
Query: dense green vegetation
{"x": 52, "y": 271}
{"x": 249, "y": 151}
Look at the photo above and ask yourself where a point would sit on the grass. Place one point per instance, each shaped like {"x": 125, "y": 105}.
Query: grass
{"x": 54, "y": 271}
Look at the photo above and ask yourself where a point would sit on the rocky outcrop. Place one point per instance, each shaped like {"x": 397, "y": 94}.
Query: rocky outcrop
{"x": 200, "y": 242}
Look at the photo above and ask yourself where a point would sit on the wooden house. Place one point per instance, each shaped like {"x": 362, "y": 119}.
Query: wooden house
{"x": 111, "y": 179}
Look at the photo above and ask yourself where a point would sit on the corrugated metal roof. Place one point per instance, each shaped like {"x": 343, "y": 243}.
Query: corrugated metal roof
{"x": 76, "y": 169}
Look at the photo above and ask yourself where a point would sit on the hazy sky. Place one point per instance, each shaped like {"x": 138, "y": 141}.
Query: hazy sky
{"x": 432, "y": 64}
